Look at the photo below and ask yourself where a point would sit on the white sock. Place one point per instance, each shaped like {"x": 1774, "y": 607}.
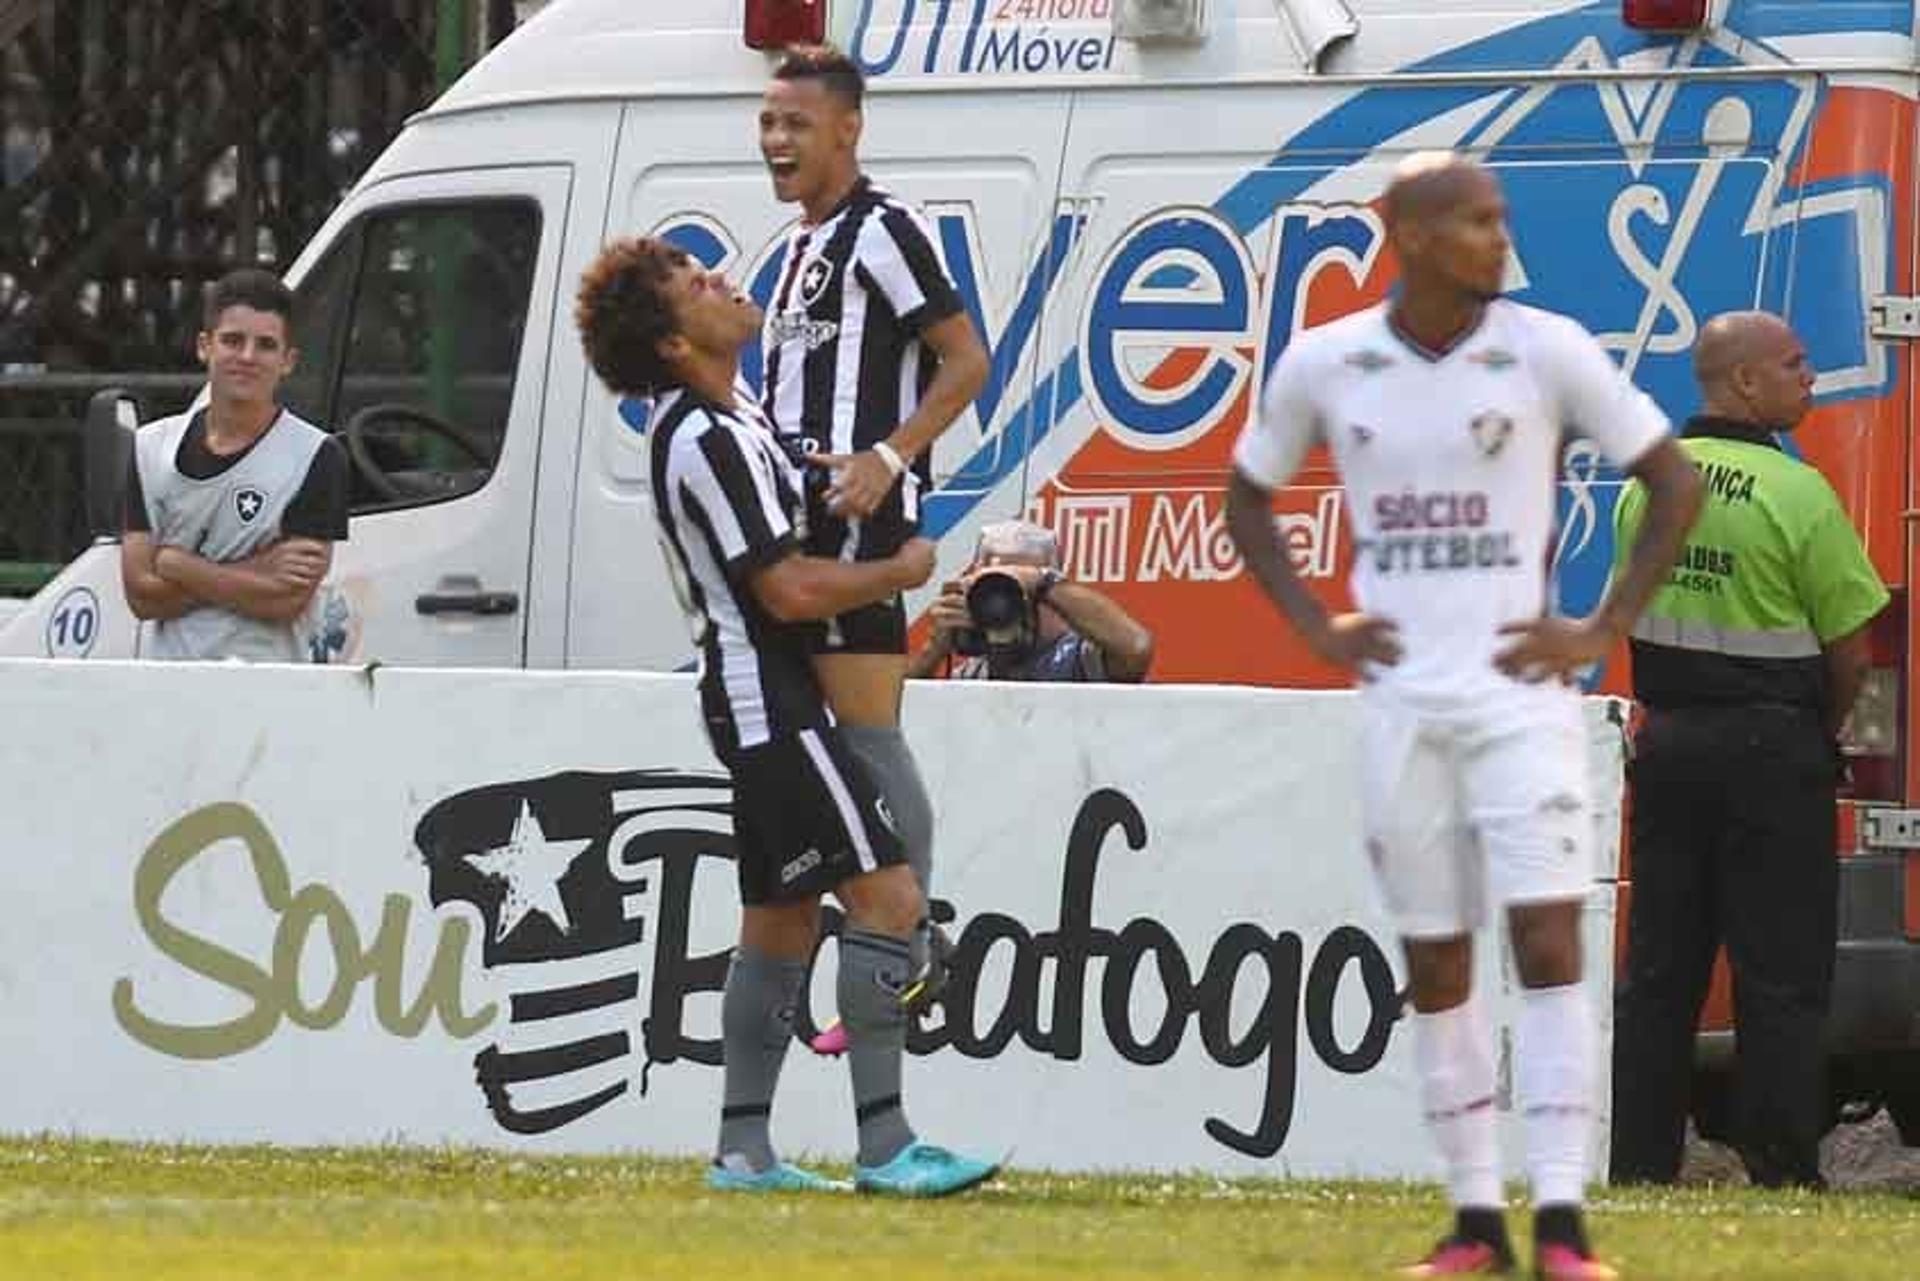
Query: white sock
{"x": 1554, "y": 1063}
{"x": 1454, "y": 1051}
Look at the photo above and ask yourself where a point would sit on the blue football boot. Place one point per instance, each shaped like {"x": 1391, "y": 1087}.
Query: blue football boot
{"x": 735, "y": 1176}
{"x": 924, "y": 1170}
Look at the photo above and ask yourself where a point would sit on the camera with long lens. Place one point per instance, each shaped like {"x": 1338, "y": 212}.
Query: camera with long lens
{"x": 1001, "y": 615}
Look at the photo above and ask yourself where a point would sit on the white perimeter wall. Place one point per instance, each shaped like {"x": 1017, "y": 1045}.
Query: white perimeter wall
{"x": 257, "y": 904}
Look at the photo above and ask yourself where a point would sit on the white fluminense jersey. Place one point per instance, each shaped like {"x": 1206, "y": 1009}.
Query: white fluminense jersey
{"x": 1450, "y": 462}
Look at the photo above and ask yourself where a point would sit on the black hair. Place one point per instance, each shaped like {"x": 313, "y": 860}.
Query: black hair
{"x": 248, "y": 287}
{"x": 835, "y": 71}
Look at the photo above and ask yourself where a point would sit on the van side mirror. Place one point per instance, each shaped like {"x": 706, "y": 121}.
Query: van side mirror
{"x": 106, "y": 445}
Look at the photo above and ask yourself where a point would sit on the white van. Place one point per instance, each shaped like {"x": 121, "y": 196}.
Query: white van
{"x": 1138, "y": 224}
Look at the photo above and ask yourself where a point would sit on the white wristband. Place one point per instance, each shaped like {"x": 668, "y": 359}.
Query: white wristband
{"x": 890, "y": 456}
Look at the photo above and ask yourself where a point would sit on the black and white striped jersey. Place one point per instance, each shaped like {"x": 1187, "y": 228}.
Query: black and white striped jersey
{"x": 728, "y": 504}
{"x": 845, "y": 363}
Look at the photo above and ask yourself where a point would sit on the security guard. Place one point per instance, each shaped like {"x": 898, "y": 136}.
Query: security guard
{"x": 1746, "y": 663}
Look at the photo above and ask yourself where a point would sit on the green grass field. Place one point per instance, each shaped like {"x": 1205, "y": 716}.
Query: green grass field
{"x": 74, "y": 1209}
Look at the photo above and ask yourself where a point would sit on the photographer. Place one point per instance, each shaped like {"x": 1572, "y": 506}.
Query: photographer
{"x": 1014, "y": 617}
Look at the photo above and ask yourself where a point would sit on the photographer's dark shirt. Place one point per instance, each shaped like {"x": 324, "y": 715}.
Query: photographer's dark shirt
{"x": 1070, "y": 658}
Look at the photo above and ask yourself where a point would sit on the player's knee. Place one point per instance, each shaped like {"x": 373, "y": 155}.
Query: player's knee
{"x": 886, "y": 902}
{"x": 1550, "y": 967}
{"x": 1439, "y": 973}
{"x": 1546, "y": 943}
{"x": 784, "y": 930}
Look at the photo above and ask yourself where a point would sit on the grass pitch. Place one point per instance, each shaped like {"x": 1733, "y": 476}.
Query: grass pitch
{"x": 82, "y": 1209}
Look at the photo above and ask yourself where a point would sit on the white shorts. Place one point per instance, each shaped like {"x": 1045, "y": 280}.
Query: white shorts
{"x": 1471, "y": 808}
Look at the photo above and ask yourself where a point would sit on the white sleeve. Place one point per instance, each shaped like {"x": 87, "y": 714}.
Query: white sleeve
{"x": 1595, "y": 398}
{"x": 1286, "y": 425}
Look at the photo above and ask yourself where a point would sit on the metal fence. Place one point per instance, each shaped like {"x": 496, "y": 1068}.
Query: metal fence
{"x": 150, "y": 146}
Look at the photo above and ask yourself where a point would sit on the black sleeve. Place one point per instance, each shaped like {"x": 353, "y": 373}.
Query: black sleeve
{"x": 133, "y": 500}
{"x": 319, "y": 510}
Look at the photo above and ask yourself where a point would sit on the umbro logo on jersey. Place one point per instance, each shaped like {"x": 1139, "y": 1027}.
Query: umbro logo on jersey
{"x": 813, "y": 280}
{"x": 1362, "y": 435}
{"x": 1369, "y": 361}
{"x": 1490, "y": 432}
{"x": 247, "y": 504}
{"x": 795, "y": 868}
{"x": 1494, "y": 359}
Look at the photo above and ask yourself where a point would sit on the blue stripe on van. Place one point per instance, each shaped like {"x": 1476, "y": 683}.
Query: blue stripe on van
{"x": 1765, "y": 19}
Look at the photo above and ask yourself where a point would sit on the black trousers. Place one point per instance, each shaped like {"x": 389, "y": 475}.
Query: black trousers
{"x": 1733, "y": 840}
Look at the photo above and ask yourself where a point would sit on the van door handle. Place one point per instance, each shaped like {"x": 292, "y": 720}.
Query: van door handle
{"x": 490, "y": 604}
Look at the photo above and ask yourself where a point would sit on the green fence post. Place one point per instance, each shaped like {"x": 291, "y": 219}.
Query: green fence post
{"x": 452, "y": 49}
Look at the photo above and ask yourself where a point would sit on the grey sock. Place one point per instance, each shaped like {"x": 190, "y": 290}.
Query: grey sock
{"x": 883, "y": 752}
{"x": 889, "y": 762}
{"x": 873, "y": 970}
{"x": 756, "y": 1025}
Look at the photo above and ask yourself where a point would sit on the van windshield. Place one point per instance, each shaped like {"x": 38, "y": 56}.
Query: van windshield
{"x": 410, "y": 333}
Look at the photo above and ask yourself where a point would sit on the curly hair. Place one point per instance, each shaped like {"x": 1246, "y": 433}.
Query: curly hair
{"x": 838, "y": 74}
{"x": 624, "y": 313}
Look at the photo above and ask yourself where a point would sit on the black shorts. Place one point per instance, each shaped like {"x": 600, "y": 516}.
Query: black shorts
{"x": 805, "y": 818}
{"x": 871, "y": 629}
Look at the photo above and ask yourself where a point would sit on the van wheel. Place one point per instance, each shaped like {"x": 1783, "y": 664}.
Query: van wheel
{"x": 1713, "y": 1103}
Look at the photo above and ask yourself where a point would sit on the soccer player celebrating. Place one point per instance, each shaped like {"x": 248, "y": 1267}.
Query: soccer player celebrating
{"x": 870, "y": 356}
{"x": 1444, "y": 410}
{"x": 806, "y": 816}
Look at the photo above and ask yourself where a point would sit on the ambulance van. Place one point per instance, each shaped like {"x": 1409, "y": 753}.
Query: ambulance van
{"x": 1142, "y": 201}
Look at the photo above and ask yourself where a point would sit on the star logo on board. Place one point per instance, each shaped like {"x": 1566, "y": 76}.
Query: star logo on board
{"x": 532, "y": 866}
{"x": 247, "y": 504}
{"x": 617, "y": 893}
{"x": 1490, "y": 432}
